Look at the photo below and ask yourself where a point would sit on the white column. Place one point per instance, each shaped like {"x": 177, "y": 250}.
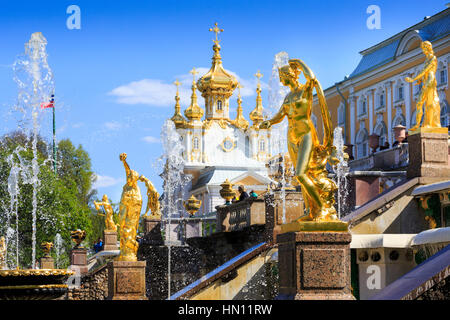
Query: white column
{"x": 352, "y": 119}
{"x": 371, "y": 106}
{"x": 389, "y": 97}
{"x": 408, "y": 99}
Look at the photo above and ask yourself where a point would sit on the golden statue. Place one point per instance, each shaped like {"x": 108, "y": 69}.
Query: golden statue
{"x": 428, "y": 97}
{"x": 110, "y": 225}
{"x": 46, "y": 247}
{"x": 2, "y": 253}
{"x": 78, "y": 236}
{"x": 153, "y": 199}
{"x": 308, "y": 155}
{"x": 129, "y": 212}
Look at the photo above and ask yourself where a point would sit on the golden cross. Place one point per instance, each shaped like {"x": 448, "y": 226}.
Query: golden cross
{"x": 239, "y": 88}
{"x": 259, "y": 75}
{"x": 216, "y": 30}
{"x": 177, "y": 83}
{"x": 193, "y": 72}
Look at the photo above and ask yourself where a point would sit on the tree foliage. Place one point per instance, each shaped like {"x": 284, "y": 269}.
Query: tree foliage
{"x": 62, "y": 199}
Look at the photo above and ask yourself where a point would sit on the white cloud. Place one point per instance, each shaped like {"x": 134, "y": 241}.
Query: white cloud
{"x": 112, "y": 125}
{"x": 105, "y": 181}
{"x": 77, "y": 125}
{"x": 150, "y": 139}
{"x": 156, "y": 92}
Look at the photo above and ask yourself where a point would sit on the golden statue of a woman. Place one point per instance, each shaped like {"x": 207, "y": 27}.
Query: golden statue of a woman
{"x": 153, "y": 199}
{"x": 428, "y": 98}
{"x": 129, "y": 212}
{"x": 307, "y": 153}
{"x": 110, "y": 225}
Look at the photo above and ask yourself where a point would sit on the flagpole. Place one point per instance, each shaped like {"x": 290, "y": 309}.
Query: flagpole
{"x": 54, "y": 138}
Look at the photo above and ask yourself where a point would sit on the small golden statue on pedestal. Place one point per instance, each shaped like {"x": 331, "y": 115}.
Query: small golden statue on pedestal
{"x": 46, "y": 247}
{"x": 153, "y": 199}
{"x": 78, "y": 237}
{"x": 427, "y": 105}
{"x": 305, "y": 150}
{"x": 110, "y": 225}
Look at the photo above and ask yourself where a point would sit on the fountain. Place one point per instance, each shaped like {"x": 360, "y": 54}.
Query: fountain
{"x": 35, "y": 82}
{"x": 341, "y": 170}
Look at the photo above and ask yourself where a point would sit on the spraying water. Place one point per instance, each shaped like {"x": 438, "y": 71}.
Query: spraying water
{"x": 175, "y": 182}
{"x": 58, "y": 248}
{"x": 341, "y": 170}
{"x": 277, "y": 93}
{"x": 35, "y": 84}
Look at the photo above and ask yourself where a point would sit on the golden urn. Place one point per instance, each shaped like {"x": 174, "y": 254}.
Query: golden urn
{"x": 227, "y": 192}
{"x": 192, "y": 205}
{"x": 46, "y": 247}
{"x": 78, "y": 236}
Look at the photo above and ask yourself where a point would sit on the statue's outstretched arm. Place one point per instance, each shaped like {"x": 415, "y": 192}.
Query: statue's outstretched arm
{"x": 427, "y": 68}
{"x": 303, "y": 67}
{"x": 123, "y": 158}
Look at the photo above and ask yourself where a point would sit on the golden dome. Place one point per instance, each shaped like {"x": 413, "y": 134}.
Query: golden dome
{"x": 194, "y": 111}
{"x": 177, "y": 117}
{"x": 240, "y": 121}
{"x": 217, "y": 79}
{"x": 257, "y": 114}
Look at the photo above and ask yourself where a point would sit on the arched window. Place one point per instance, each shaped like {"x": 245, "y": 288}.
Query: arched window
{"x": 262, "y": 145}
{"x": 196, "y": 143}
{"x": 444, "y": 114}
{"x": 399, "y": 119}
{"x": 380, "y": 129}
{"x": 341, "y": 115}
{"x": 441, "y": 74}
{"x": 400, "y": 93}
{"x": 219, "y": 105}
{"x": 362, "y": 106}
{"x": 247, "y": 147}
{"x": 362, "y": 143}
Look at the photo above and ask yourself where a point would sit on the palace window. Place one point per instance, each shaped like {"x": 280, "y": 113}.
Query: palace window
{"x": 382, "y": 99}
{"x": 219, "y": 105}
{"x": 443, "y": 76}
{"x": 247, "y": 147}
{"x": 362, "y": 110}
{"x": 444, "y": 114}
{"x": 341, "y": 116}
{"x": 400, "y": 93}
{"x": 196, "y": 143}
{"x": 381, "y": 131}
{"x": 262, "y": 145}
{"x": 362, "y": 144}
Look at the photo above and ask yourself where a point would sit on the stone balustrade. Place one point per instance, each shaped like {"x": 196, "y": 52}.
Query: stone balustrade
{"x": 389, "y": 159}
{"x": 240, "y": 215}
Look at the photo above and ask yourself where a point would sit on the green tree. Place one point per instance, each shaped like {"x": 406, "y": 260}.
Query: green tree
{"x": 62, "y": 199}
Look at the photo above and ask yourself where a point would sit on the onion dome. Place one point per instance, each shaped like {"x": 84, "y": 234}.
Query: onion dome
{"x": 217, "y": 80}
{"x": 177, "y": 117}
{"x": 240, "y": 121}
{"x": 194, "y": 111}
{"x": 257, "y": 114}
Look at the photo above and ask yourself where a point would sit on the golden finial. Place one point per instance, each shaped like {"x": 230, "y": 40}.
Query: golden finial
{"x": 259, "y": 75}
{"x": 193, "y": 72}
{"x": 216, "y": 30}
{"x": 177, "y": 83}
{"x": 239, "y": 86}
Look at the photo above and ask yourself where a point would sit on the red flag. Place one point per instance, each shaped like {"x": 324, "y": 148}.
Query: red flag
{"x": 49, "y": 104}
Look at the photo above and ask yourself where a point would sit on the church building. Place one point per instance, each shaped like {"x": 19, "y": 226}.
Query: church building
{"x": 216, "y": 147}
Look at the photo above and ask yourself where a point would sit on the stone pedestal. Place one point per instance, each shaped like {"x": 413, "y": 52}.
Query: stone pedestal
{"x": 47, "y": 263}
{"x": 314, "y": 265}
{"x": 110, "y": 240}
{"x": 78, "y": 260}
{"x": 126, "y": 280}
{"x": 193, "y": 228}
{"x": 152, "y": 231}
{"x": 428, "y": 154}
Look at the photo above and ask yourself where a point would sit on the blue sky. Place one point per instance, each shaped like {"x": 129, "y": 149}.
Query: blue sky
{"x": 141, "y": 47}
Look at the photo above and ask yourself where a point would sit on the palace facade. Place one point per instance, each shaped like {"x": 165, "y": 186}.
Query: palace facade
{"x": 375, "y": 97}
